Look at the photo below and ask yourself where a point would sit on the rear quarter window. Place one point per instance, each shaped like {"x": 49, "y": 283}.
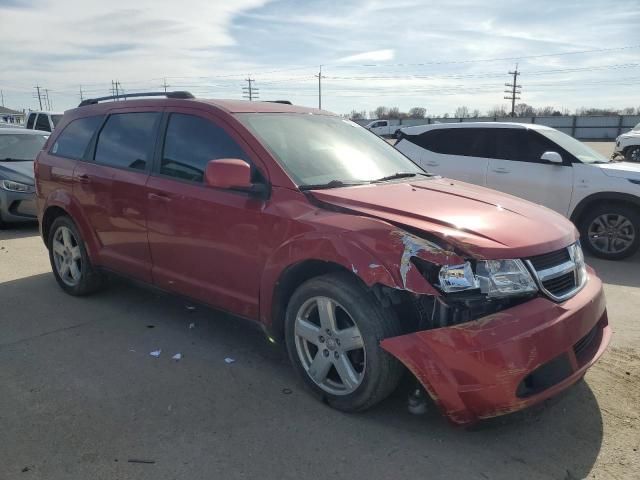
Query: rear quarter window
{"x": 75, "y": 138}
{"x": 31, "y": 120}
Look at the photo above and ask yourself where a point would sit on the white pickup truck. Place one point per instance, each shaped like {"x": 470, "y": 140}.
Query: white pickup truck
{"x": 628, "y": 145}
{"x": 383, "y": 128}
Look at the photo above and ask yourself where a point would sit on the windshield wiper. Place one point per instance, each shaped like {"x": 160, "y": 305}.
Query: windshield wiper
{"x": 400, "y": 175}
{"x": 331, "y": 184}
{"x": 9, "y": 159}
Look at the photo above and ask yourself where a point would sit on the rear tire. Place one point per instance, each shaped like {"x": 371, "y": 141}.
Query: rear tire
{"x": 69, "y": 259}
{"x": 344, "y": 363}
{"x": 611, "y": 231}
{"x": 632, "y": 154}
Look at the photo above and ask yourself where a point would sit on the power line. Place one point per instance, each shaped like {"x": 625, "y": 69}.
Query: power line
{"x": 37, "y": 87}
{"x": 515, "y": 90}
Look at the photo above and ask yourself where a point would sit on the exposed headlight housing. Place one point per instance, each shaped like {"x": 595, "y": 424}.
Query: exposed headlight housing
{"x": 12, "y": 186}
{"x": 494, "y": 278}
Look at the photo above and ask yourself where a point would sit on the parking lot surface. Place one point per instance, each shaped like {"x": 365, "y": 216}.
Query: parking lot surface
{"x": 83, "y": 398}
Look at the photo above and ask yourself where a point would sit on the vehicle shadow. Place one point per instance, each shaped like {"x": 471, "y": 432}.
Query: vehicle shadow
{"x": 10, "y": 231}
{"x": 621, "y": 272}
{"x": 258, "y": 397}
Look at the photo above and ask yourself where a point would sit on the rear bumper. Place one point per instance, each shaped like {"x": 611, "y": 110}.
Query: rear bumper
{"x": 17, "y": 206}
{"x": 509, "y": 360}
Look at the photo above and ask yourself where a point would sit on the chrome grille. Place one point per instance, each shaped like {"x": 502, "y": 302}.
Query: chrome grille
{"x": 557, "y": 274}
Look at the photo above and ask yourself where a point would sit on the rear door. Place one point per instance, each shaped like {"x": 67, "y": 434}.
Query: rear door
{"x": 111, "y": 189}
{"x": 459, "y": 153}
{"x": 518, "y": 170}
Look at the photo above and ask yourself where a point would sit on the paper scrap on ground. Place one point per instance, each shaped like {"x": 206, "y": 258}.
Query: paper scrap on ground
{"x": 155, "y": 353}
{"x": 192, "y": 325}
{"x": 229, "y": 360}
{"x": 177, "y": 356}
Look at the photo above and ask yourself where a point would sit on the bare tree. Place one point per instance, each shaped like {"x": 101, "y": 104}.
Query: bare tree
{"x": 394, "y": 113}
{"x": 497, "y": 111}
{"x": 446, "y": 115}
{"x": 380, "y": 112}
{"x": 462, "y": 112}
{"x": 524, "y": 110}
{"x": 355, "y": 115}
{"x": 418, "y": 112}
{"x": 475, "y": 113}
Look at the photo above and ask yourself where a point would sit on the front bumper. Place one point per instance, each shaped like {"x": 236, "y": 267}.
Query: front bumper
{"x": 17, "y": 206}
{"x": 509, "y": 360}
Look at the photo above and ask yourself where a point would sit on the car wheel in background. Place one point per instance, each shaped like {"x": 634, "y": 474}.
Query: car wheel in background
{"x": 632, "y": 154}
{"x": 69, "y": 259}
{"x": 333, "y": 331}
{"x": 398, "y": 134}
{"x": 611, "y": 231}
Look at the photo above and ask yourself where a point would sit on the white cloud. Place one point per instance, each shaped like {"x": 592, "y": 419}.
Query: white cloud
{"x": 373, "y": 56}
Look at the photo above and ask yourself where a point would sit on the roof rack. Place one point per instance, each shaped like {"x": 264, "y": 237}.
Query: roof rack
{"x": 176, "y": 94}
{"x": 284, "y": 102}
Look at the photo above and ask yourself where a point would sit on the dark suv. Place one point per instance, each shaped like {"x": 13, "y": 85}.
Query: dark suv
{"x": 330, "y": 239}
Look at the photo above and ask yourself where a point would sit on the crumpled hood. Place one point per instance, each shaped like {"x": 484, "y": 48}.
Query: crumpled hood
{"x": 620, "y": 169}
{"x": 17, "y": 171}
{"x": 481, "y": 222}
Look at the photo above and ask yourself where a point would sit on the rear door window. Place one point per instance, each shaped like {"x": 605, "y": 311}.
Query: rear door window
{"x": 74, "y": 139}
{"x": 468, "y": 142}
{"x": 31, "y": 120}
{"x": 42, "y": 123}
{"x": 127, "y": 140}
{"x": 190, "y": 143}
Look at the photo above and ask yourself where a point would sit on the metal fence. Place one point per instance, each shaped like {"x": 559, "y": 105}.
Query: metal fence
{"x": 602, "y": 127}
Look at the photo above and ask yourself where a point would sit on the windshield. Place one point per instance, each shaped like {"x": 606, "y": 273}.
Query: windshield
{"x": 16, "y": 147}
{"x": 320, "y": 149}
{"x": 637, "y": 127}
{"x": 56, "y": 119}
{"x": 578, "y": 149}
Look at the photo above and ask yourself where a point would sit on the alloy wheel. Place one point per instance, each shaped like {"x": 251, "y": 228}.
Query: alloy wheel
{"x": 611, "y": 233}
{"x": 330, "y": 346}
{"x": 67, "y": 256}
{"x": 634, "y": 155}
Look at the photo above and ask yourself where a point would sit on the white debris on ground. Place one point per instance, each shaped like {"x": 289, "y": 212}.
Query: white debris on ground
{"x": 155, "y": 353}
{"x": 229, "y": 360}
{"x": 177, "y": 356}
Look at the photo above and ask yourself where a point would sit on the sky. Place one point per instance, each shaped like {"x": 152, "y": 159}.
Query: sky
{"x": 433, "y": 54}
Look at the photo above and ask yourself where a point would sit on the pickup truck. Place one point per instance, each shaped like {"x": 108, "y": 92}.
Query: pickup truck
{"x": 383, "y": 128}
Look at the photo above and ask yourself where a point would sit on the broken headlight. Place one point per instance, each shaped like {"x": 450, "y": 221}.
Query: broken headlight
{"x": 494, "y": 278}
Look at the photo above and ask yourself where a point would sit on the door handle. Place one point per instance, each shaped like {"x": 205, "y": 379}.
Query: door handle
{"x": 84, "y": 178}
{"x": 501, "y": 170}
{"x": 157, "y": 196}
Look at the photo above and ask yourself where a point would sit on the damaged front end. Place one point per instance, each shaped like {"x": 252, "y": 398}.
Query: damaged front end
{"x": 484, "y": 340}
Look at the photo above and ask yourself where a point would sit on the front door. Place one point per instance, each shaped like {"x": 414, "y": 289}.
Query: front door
{"x": 205, "y": 242}
{"x": 519, "y": 171}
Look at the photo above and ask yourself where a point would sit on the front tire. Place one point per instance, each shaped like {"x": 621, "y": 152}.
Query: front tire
{"x": 632, "y": 154}
{"x": 333, "y": 331}
{"x": 69, "y": 259}
{"x": 611, "y": 231}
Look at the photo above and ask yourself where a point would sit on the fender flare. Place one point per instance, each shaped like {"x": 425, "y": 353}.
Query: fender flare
{"x": 580, "y": 208}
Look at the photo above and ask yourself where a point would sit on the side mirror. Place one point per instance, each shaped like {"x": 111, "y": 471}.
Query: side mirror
{"x": 231, "y": 173}
{"x": 552, "y": 157}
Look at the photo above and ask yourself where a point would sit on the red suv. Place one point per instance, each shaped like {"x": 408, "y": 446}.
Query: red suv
{"x": 331, "y": 240}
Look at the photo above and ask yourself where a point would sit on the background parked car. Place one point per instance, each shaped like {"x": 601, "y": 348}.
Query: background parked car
{"x": 18, "y": 149}
{"x": 628, "y": 145}
{"x": 383, "y": 128}
{"x": 45, "y": 121}
{"x": 544, "y": 166}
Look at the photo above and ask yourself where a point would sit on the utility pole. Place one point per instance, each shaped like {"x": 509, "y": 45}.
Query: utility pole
{"x": 2, "y": 96}
{"x": 165, "y": 85}
{"x": 250, "y": 91}
{"x": 319, "y": 87}
{"x": 119, "y": 89}
{"x": 47, "y": 100}
{"x": 81, "y": 96}
{"x": 515, "y": 90}
{"x": 37, "y": 87}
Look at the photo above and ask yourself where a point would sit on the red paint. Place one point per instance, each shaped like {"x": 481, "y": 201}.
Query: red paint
{"x": 473, "y": 370}
{"x": 228, "y": 173}
{"x": 230, "y": 249}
